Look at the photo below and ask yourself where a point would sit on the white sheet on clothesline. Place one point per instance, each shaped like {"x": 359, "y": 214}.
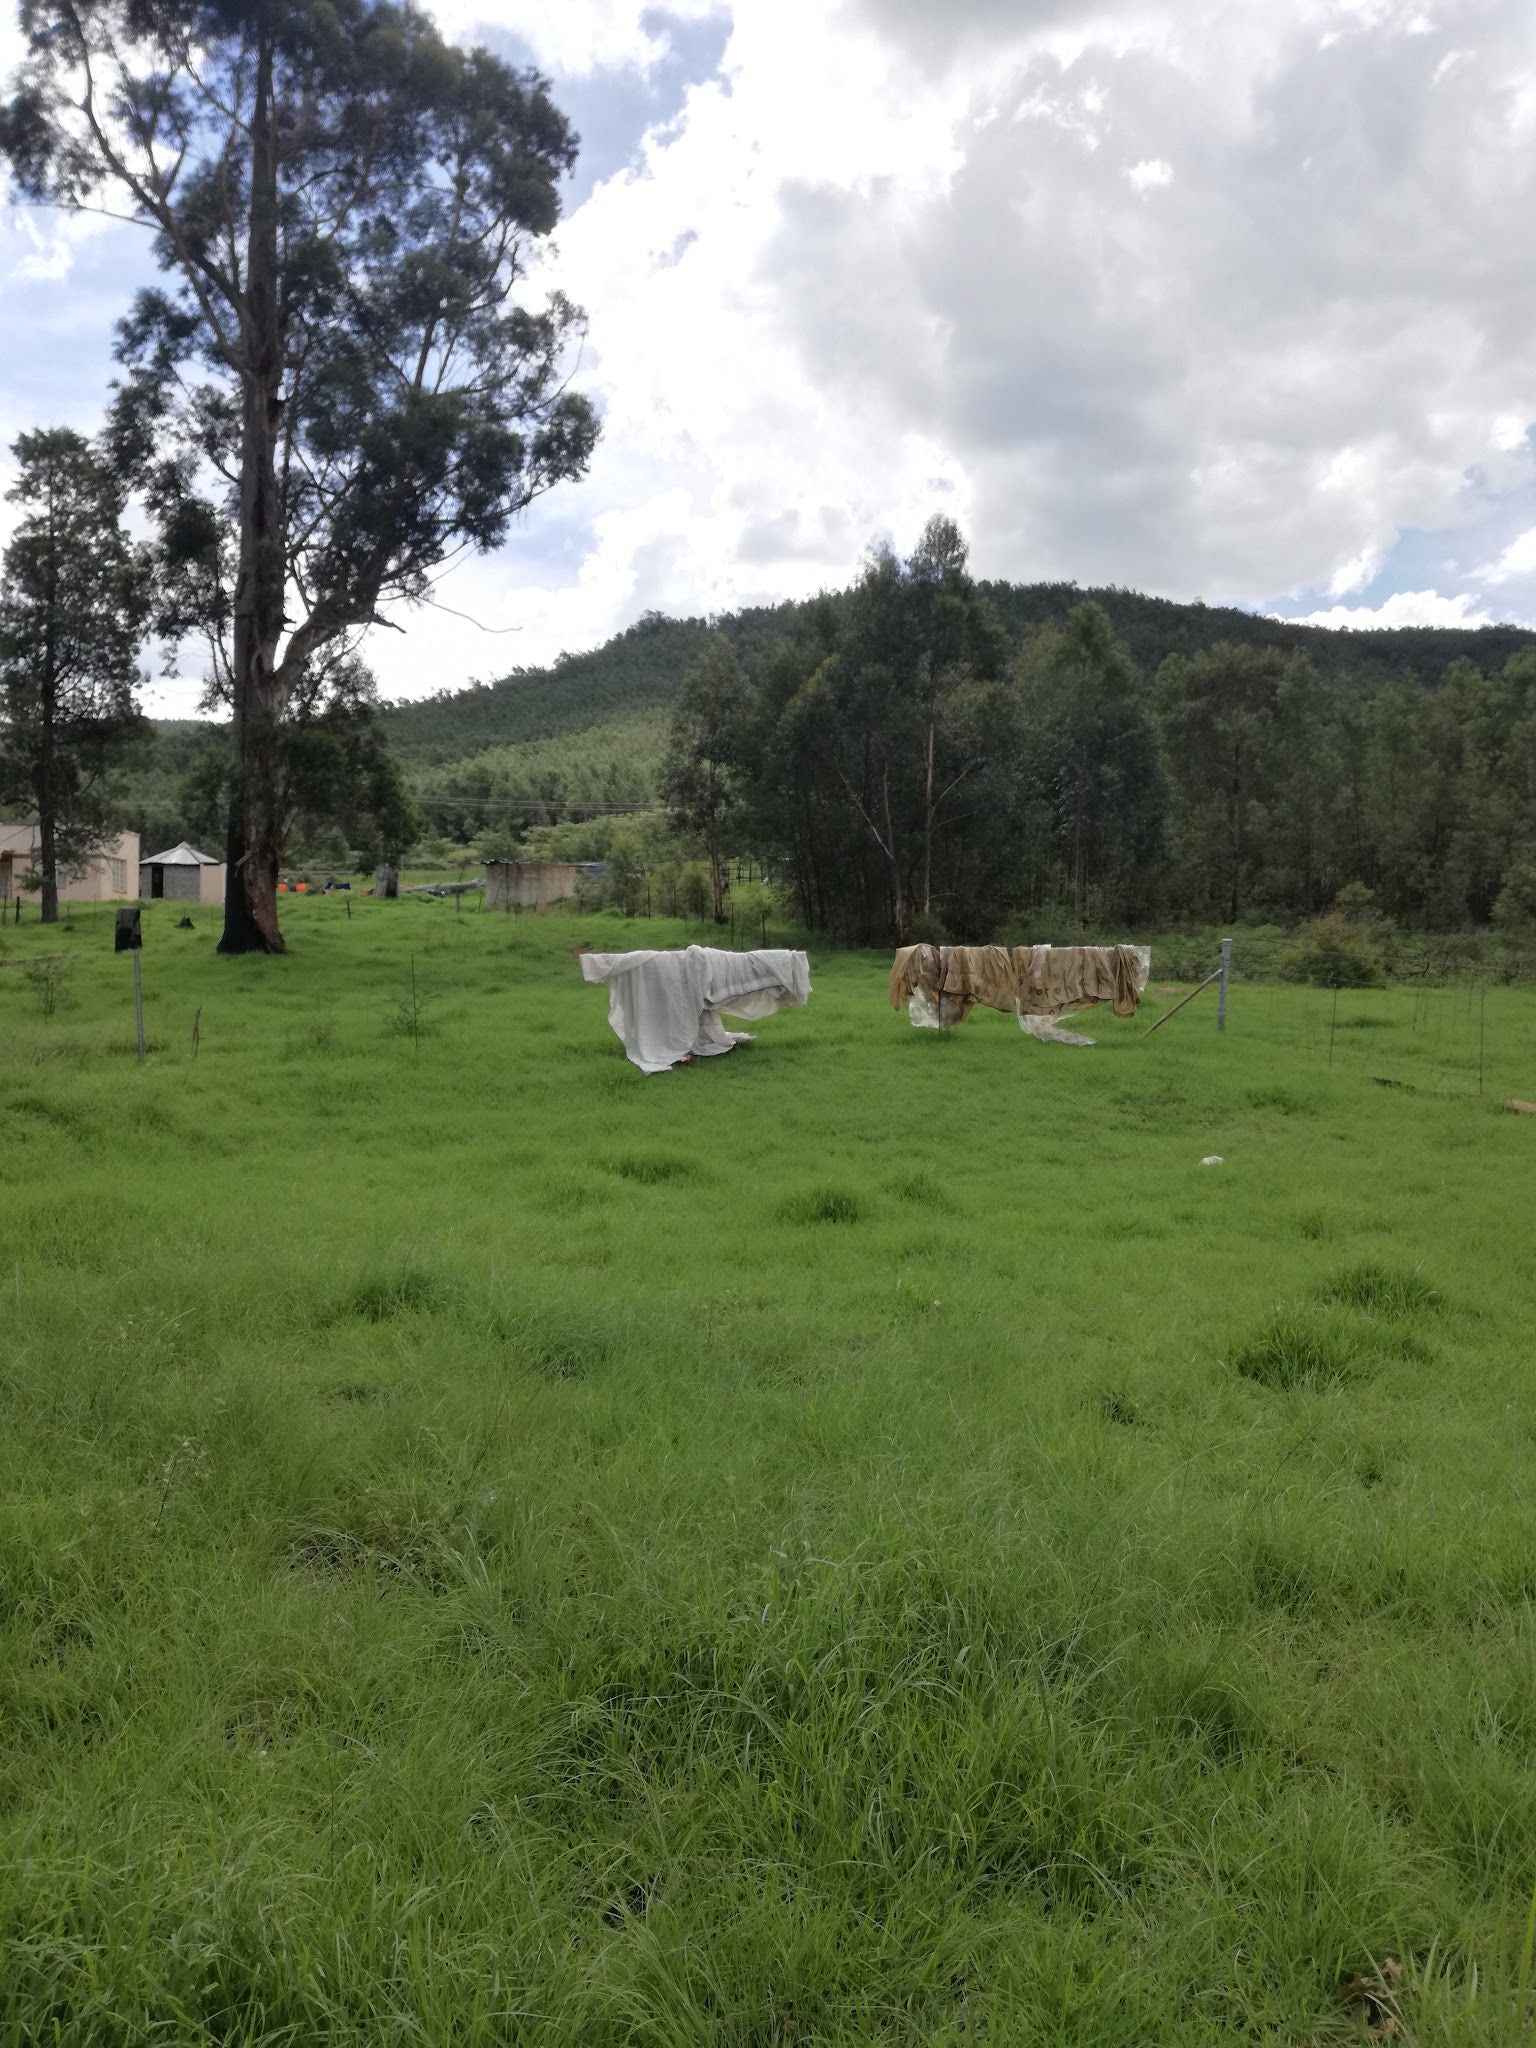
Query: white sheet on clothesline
{"x": 666, "y": 1006}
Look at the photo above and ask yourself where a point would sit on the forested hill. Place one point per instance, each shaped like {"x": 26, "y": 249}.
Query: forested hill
{"x": 1152, "y": 628}
{"x": 639, "y": 670}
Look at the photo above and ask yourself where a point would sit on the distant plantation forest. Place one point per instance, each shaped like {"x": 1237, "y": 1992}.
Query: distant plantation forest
{"x": 1103, "y": 756}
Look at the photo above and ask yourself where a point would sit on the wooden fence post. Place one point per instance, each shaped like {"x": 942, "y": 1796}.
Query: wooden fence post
{"x": 1221, "y": 993}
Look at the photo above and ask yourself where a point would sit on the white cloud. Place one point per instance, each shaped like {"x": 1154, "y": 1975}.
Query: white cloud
{"x": 1518, "y": 560}
{"x": 1403, "y": 608}
{"x": 1151, "y": 172}
{"x": 577, "y": 36}
{"x": 53, "y": 240}
{"x": 1354, "y": 574}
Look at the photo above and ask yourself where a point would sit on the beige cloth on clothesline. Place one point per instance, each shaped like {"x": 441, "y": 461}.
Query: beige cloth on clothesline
{"x": 956, "y": 976}
{"x": 1053, "y": 980}
{"x": 1032, "y": 981}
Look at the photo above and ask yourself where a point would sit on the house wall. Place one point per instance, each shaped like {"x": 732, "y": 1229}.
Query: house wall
{"x": 528, "y": 884}
{"x": 201, "y": 884}
{"x": 111, "y": 876}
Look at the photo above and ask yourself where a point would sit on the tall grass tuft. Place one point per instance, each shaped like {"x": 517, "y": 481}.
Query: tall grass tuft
{"x": 1380, "y": 1290}
{"x": 1299, "y": 1348}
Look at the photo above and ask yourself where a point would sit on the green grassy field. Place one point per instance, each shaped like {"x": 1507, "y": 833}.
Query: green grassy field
{"x": 863, "y": 1541}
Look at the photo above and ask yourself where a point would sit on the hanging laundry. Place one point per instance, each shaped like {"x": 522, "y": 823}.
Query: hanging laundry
{"x": 666, "y": 1006}
{"x": 940, "y": 985}
{"x": 1053, "y": 980}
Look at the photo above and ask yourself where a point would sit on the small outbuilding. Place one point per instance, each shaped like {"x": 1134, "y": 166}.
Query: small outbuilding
{"x": 532, "y": 884}
{"x": 182, "y": 875}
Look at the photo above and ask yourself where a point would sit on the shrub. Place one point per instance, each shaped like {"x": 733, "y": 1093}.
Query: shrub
{"x": 1334, "y": 952}
{"x": 927, "y": 929}
{"x": 49, "y": 982}
{"x": 693, "y": 891}
{"x": 1515, "y": 909}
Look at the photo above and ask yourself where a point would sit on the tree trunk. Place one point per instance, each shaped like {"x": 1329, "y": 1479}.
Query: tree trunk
{"x": 45, "y": 861}
{"x": 250, "y": 900}
{"x": 47, "y": 840}
{"x": 717, "y": 883}
{"x": 1236, "y": 824}
{"x": 928, "y": 820}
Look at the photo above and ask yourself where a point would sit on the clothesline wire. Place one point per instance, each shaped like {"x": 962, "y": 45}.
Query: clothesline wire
{"x": 530, "y": 803}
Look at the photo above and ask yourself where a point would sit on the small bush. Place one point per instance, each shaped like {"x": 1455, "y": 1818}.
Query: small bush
{"x": 49, "y": 982}
{"x": 1333, "y": 952}
{"x": 927, "y": 929}
{"x": 1515, "y": 910}
{"x": 408, "y": 1018}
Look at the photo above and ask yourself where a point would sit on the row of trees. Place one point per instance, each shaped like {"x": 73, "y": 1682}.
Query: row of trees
{"x": 74, "y": 602}
{"x": 911, "y": 771}
{"x": 77, "y": 598}
{"x": 339, "y": 385}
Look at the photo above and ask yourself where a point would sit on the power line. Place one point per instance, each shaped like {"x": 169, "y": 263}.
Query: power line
{"x": 530, "y": 803}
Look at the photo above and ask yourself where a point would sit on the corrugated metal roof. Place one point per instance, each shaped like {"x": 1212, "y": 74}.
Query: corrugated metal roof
{"x": 180, "y": 856}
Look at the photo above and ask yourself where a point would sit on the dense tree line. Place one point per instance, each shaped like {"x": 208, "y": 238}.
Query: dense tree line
{"x": 984, "y": 752}
{"x": 910, "y": 768}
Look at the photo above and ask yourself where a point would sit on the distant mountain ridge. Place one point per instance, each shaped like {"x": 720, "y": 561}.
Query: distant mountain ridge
{"x": 640, "y": 669}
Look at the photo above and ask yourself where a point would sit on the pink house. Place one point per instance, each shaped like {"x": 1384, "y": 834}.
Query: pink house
{"x": 110, "y": 875}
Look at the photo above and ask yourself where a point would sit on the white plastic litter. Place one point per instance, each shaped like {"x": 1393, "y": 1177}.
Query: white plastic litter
{"x": 1214, "y": 1159}
{"x": 1049, "y": 1032}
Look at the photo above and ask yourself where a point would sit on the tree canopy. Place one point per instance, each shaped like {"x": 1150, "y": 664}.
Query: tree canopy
{"x": 341, "y": 383}
{"x": 74, "y": 597}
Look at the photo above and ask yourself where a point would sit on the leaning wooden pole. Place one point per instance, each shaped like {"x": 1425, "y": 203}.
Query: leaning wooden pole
{"x": 1180, "y": 1004}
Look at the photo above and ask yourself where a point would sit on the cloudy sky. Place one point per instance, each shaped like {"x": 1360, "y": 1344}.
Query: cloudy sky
{"x": 1232, "y": 299}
